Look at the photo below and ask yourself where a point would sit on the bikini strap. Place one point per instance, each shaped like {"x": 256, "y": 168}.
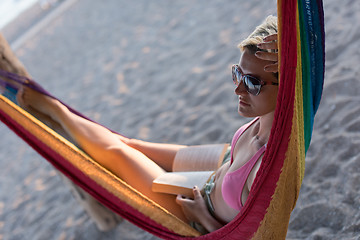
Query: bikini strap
{"x": 237, "y": 135}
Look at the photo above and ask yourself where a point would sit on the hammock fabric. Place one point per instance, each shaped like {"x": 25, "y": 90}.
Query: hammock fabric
{"x": 274, "y": 193}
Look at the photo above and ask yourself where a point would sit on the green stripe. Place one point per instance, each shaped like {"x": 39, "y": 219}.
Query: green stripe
{"x": 305, "y": 63}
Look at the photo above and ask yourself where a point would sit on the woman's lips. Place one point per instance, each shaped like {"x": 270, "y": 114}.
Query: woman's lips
{"x": 242, "y": 102}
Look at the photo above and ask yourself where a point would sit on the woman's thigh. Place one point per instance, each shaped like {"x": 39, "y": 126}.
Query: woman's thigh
{"x": 139, "y": 171}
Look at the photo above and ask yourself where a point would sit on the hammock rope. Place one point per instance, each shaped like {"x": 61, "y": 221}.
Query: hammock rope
{"x": 275, "y": 190}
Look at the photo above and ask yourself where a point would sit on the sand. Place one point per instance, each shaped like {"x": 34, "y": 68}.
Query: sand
{"x": 160, "y": 71}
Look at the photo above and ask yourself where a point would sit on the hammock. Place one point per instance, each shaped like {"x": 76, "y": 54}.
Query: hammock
{"x": 273, "y": 195}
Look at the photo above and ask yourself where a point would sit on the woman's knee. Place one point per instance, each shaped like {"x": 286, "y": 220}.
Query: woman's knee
{"x": 134, "y": 143}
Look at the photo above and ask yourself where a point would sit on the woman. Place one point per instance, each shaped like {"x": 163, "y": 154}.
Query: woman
{"x": 256, "y": 85}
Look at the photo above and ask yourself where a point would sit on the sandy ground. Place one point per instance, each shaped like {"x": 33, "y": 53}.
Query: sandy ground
{"x": 160, "y": 71}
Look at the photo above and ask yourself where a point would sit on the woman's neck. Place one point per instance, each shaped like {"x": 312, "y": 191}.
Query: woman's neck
{"x": 265, "y": 124}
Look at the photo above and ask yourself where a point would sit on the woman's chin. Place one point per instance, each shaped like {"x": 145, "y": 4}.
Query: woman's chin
{"x": 245, "y": 114}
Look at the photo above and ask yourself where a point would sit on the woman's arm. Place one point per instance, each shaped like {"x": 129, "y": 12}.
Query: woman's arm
{"x": 195, "y": 210}
{"x": 161, "y": 153}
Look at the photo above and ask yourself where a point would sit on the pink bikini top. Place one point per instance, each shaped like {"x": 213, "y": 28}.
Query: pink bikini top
{"x": 234, "y": 182}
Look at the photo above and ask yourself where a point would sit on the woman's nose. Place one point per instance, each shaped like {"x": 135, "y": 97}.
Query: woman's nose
{"x": 240, "y": 88}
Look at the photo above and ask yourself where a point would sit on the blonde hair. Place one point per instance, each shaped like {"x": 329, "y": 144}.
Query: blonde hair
{"x": 268, "y": 27}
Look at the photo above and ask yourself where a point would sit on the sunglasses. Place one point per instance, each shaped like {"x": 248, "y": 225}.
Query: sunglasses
{"x": 252, "y": 84}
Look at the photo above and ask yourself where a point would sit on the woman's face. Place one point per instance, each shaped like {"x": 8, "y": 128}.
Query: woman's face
{"x": 264, "y": 103}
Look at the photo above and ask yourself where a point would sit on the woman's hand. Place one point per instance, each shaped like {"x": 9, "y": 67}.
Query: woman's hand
{"x": 270, "y": 43}
{"x": 195, "y": 210}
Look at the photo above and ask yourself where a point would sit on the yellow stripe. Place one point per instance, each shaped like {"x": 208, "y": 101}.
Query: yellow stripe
{"x": 92, "y": 169}
{"x": 299, "y": 108}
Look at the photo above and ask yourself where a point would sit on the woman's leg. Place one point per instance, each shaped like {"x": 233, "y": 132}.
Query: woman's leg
{"x": 161, "y": 153}
{"x": 105, "y": 147}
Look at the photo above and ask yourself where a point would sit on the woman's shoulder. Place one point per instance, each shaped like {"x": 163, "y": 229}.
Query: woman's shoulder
{"x": 244, "y": 127}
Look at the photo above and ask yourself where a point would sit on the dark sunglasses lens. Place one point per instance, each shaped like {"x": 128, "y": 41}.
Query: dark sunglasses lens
{"x": 252, "y": 85}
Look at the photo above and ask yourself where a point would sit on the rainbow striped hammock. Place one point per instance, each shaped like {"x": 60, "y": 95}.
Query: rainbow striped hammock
{"x": 275, "y": 190}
